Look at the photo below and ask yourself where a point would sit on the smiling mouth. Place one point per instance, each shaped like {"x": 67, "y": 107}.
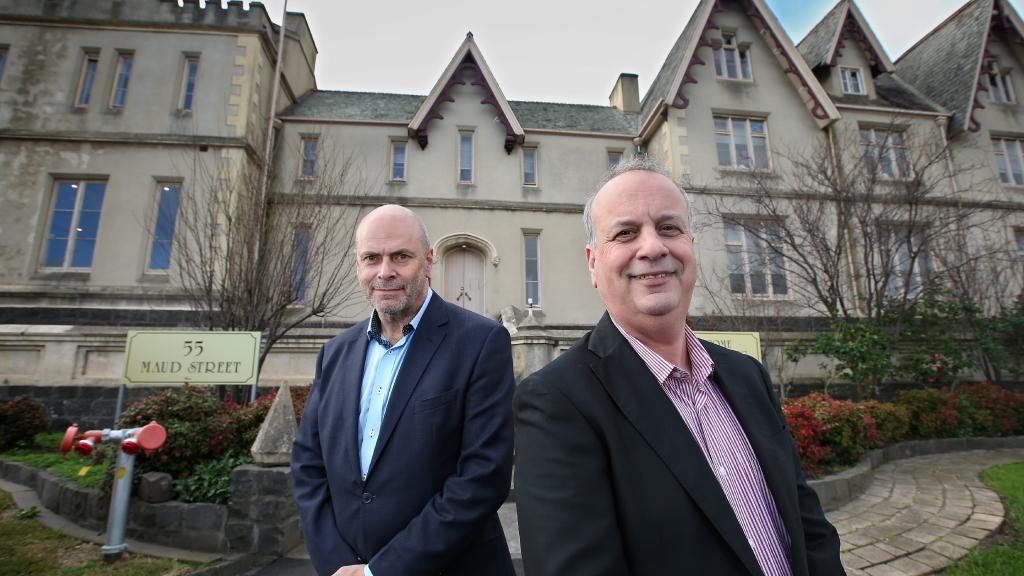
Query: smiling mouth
{"x": 651, "y": 276}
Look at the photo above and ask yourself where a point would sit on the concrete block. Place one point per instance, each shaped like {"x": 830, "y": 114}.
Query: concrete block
{"x": 203, "y": 516}
{"x": 155, "y": 487}
{"x": 273, "y": 445}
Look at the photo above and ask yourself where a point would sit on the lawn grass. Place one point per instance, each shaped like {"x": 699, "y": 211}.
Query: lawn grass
{"x": 1006, "y": 558}
{"x": 45, "y": 455}
{"x": 28, "y": 548}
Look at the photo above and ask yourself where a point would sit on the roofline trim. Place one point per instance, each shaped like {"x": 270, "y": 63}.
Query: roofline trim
{"x": 890, "y": 110}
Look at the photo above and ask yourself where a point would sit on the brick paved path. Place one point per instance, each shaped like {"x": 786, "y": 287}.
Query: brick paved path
{"x": 920, "y": 514}
{"x": 916, "y": 516}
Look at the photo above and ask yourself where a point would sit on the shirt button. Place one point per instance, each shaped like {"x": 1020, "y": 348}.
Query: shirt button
{"x": 380, "y": 391}
{"x": 367, "y": 497}
{"x": 372, "y": 433}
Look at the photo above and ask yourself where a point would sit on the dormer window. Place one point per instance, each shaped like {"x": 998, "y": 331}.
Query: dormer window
{"x": 1000, "y": 85}
{"x": 732, "y": 58}
{"x": 853, "y": 80}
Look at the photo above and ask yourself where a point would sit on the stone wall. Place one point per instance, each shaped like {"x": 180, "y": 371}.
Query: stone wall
{"x": 260, "y": 517}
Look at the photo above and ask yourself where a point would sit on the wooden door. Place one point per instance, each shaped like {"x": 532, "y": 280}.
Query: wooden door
{"x": 464, "y": 278}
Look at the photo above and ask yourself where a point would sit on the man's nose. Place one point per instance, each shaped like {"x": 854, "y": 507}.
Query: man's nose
{"x": 651, "y": 245}
{"x": 386, "y": 270}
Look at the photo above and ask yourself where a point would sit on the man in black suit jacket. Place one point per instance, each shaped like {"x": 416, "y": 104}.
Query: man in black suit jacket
{"x": 645, "y": 451}
{"x": 405, "y": 449}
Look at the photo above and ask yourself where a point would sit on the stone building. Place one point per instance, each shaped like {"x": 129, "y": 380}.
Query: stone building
{"x": 99, "y": 117}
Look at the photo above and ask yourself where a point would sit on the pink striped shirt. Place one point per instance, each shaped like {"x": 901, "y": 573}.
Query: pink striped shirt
{"x": 725, "y": 446}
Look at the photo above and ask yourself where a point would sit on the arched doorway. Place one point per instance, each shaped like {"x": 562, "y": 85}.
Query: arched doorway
{"x": 464, "y": 278}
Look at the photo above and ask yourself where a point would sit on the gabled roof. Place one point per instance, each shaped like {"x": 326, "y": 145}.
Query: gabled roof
{"x": 956, "y": 49}
{"x": 668, "y": 88}
{"x": 894, "y": 93}
{"x": 824, "y": 43}
{"x": 399, "y": 109}
{"x": 467, "y": 59}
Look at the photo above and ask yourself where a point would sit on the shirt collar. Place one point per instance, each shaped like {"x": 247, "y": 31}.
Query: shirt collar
{"x": 376, "y": 334}
{"x": 701, "y": 365}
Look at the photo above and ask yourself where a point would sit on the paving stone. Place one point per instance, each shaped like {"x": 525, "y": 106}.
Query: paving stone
{"x": 910, "y": 567}
{"x": 930, "y": 558}
{"x": 947, "y": 549}
{"x": 976, "y": 533}
{"x": 852, "y": 560}
{"x": 873, "y": 554}
{"x": 960, "y": 540}
{"x": 905, "y": 544}
{"x": 885, "y": 570}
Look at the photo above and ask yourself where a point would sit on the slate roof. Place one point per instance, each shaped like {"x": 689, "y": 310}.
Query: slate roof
{"x": 816, "y": 47}
{"x": 943, "y": 65}
{"x": 892, "y": 92}
{"x": 381, "y": 107}
{"x": 661, "y": 85}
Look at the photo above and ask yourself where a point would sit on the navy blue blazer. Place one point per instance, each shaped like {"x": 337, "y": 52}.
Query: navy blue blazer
{"x": 442, "y": 465}
{"x": 610, "y": 482}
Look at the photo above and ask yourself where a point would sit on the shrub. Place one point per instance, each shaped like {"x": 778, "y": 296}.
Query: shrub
{"x": 987, "y": 410}
{"x": 849, "y": 431}
{"x": 807, "y": 433}
{"x": 211, "y": 480}
{"x": 931, "y": 414}
{"x": 20, "y": 420}
{"x": 199, "y": 428}
{"x": 891, "y": 420}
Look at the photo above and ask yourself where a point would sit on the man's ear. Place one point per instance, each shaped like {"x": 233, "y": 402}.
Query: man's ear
{"x": 430, "y": 261}
{"x": 590, "y": 254}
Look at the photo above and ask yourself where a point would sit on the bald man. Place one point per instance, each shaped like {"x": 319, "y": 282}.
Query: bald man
{"x": 404, "y": 453}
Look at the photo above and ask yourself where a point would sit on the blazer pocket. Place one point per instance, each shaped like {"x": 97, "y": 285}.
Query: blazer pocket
{"x": 437, "y": 402}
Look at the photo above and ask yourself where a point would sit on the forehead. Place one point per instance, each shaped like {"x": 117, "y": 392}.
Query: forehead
{"x": 638, "y": 195}
{"x": 388, "y": 233}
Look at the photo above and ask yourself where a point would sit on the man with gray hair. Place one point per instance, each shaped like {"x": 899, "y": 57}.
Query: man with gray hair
{"x": 644, "y": 450}
{"x": 405, "y": 449}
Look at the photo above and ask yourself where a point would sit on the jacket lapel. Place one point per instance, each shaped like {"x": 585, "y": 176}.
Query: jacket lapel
{"x": 348, "y": 383}
{"x": 742, "y": 389}
{"x": 642, "y": 401}
{"x": 428, "y": 337}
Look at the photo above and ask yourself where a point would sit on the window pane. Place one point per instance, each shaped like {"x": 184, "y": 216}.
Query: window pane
{"x": 760, "y": 152}
{"x": 88, "y": 75}
{"x": 56, "y": 248}
{"x": 779, "y": 286}
{"x": 93, "y": 196}
{"x": 1004, "y": 170}
{"x": 529, "y": 166}
{"x": 903, "y": 163}
{"x": 758, "y": 283}
{"x": 189, "y": 83}
{"x": 613, "y": 159}
{"x": 398, "y": 161}
{"x": 466, "y": 157}
{"x": 730, "y": 63}
{"x": 60, "y": 224}
{"x": 724, "y": 148}
{"x": 721, "y": 124}
{"x": 81, "y": 255}
{"x": 309, "y": 154}
{"x": 121, "y": 88}
{"x": 733, "y": 234}
{"x": 300, "y": 263}
{"x": 160, "y": 256}
{"x": 845, "y": 75}
{"x": 745, "y": 64}
{"x": 1013, "y": 152}
{"x": 67, "y": 193}
{"x": 739, "y": 131}
{"x": 531, "y": 269}
{"x": 3, "y": 62}
{"x": 718, "y": 62}
{"x": 88, "y": 224}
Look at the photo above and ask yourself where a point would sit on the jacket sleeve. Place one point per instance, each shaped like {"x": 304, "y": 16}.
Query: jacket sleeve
{"x": 567, "y": 518}
{"x": 820, "y": 538}
{"x": 484, "y": 471}
{"x": 327, "y": 549}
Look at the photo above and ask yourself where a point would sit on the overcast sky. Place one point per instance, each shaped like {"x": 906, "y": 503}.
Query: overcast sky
{"x": 545, "y": 50}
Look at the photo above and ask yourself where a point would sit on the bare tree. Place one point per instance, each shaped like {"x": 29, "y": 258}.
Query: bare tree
{"x": 864, "y": 223}
{"x": 304, "y": 266}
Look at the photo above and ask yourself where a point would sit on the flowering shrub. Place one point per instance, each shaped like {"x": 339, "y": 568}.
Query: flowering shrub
{"x": 807, "y": 435}
{"x": 931, "y": 413}
{"x": 891, "y": 420}
{"x": 849, "y": 431}
{"x": 987, "y": 410}
{"x": 20, "y": 420}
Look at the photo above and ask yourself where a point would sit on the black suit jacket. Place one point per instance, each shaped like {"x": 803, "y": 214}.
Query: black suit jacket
{"x": 609, "y": 480}
{"x": 442, "y": 464}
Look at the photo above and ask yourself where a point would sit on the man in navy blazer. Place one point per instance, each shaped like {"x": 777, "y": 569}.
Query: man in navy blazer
{"x": 644, "y": 451}
{"x": 404, "y": 453}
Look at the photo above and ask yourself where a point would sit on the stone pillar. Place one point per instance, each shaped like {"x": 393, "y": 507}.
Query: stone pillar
{"x": 273, "y": 445}
{"x": 532, "y": 346}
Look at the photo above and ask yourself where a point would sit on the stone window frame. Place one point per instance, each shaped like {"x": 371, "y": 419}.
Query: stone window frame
{"x": 743, "y": 62}
{"x": 534, "y": 235}
{"x": 159, "y": 188}
{"x": 850, "y": 75}
{"x": 308, "y": 172}
{"x": 460, "y": 170}
{"x": 86, "y": 83}
{"x": 730, "y": 133}
{"x": 884, "y": 147}
{"x": 79, "y": 184}
{"x": 1000, "y": 83}
{"x": 393, "y": 144}
{"x": 188, "y": 73}
{"x": 532, "y": 149}
{"x": 120, "y": 66}
{"x": 739, "y": 233}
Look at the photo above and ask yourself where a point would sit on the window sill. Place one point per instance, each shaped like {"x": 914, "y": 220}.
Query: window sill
{"x": 155, "y": 277}
{"x": 397, "y": 182}
{"x": 731, "y": 171}
{"x": 466, "y": 184}
{"x": 531, "y": 188}
{"x": 115, "y": 111}
{"x": 762, "y": 297}
{"x": 62, "y": 275}
{"x": 736, "y": 80}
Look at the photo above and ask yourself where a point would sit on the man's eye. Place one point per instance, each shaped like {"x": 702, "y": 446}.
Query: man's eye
{"x": 401, "y": 257}
{"x": 670, "y": 230}
{"x": 370, "y": 259}
{"x": 624, "y": 234}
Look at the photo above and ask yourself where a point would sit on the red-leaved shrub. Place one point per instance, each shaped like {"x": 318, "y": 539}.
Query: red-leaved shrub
{"x": 807, "y": 433}
{"x": 20, "y": 420}
{"x": 931, "y": 414}
{"x": 849, "y": 431}
{"x": 987, "y": 410}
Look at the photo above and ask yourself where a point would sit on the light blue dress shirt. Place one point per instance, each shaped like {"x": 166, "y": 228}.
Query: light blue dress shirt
{"x": 380, "y": 369}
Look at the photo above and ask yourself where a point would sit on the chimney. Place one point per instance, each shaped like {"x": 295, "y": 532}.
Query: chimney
{"x": 626, "y": 94}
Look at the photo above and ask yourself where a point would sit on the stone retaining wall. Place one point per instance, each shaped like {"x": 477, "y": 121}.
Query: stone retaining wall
{"x": 260, "y": 517}
{"x": 840, "y": 488}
